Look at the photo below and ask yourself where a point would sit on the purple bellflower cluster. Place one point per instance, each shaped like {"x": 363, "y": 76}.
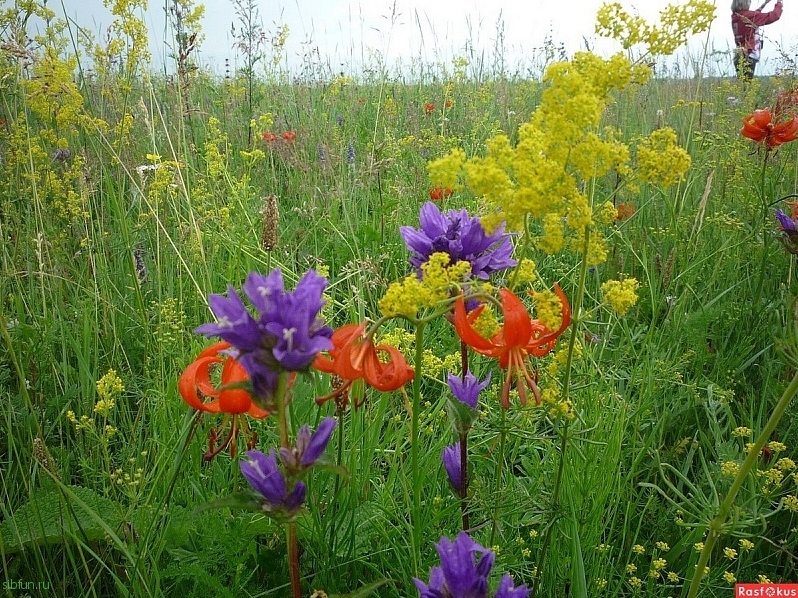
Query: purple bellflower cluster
{"x": 459, "y": 576}
{"x": 266, "y": 478}
{"x": 461, "y": 237}
{"x": 286, "y": 335}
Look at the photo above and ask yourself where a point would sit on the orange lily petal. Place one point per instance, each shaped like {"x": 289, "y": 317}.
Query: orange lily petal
{"x": 391, "y": 375}
{"x": 517, "y": 323}
{"x": 466, "y": 332}
{"x": 188, "y": 387}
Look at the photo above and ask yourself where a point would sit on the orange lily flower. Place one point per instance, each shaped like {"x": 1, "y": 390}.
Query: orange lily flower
{"x": 519, "y": 337}
{"x": 353, "y": 357}
{"x": 759, "y": 126}
{"x": 195, "y": 385}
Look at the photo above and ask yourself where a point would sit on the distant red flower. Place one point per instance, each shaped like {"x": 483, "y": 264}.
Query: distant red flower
{"x": 439, "y": 193}
{"x": 429, "y": 107}
{"x": 269, "y": 137}
{"x": 626, "y": 211}
{"x": 760, "y": 127}
{"x": 289, "y": 135}
{"x": 448, "y": 104}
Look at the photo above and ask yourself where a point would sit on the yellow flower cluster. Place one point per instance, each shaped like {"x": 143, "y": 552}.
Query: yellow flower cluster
{"x": 560, "y": 148}
{"x": 526, "y": 271}
{"x": 791, "y": 503}
{"x": 407, "y": 297}
{"x": 486, "y": 324}
{"x": 549, "y": 309}
{"x": 660, "y": 161}
{"x": 677, "y": 23}
{"x": 555, "y": 405}
{"x": 110, "y": 386}
{"x": 620, "y": 295}
{"x": 729, "y": 469}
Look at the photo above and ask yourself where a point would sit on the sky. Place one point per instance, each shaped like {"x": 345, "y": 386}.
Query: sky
{"x": 343, "y": 35}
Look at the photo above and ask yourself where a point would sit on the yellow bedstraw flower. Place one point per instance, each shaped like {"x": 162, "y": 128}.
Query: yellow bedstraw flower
{"x": 549, "y": 309}
{"x": 730, "y": 553}
{"x": 638, "y": 549}
{"x": 660, "y": 161}
{"x": 742, "y": 432}
{"x": 729, "y": 469}
{"x": 663, "y": 546}
{"x": 746, "y": 544}
{"x": 110, "y": 386}
{"x": 620, "y": 295}
{"x": 791, "y": 503}
{"x": 729, "y": 577}
{"x": 673, "y": 577}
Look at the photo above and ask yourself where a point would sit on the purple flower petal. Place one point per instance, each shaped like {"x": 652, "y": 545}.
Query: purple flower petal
{"x": 459, "y": 570}
{"x": 467, "y": 391}
{"x": 318, "y": 442}
{"x": 452, "y": 465}
{"x": 506, "y": 589}
{"x": 265, "y": 477}
{"x": 463, "y": 238}
{"x": 786, "y": 222}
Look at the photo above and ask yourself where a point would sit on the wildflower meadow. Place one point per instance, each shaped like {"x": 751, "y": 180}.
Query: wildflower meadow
{"x": 446, "y": 332}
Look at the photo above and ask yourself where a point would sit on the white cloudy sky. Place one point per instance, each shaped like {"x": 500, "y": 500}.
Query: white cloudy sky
{"x": 345, "y": 32}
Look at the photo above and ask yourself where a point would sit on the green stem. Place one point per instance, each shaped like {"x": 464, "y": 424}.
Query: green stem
{"x": 716, "y": 525}
{"x": 499, "y": 468}
{"x": 576, "y": 306}
{"x": 765, "y": 234}
{"x": 339, "y": 463}
{"x": 415, "y": 472}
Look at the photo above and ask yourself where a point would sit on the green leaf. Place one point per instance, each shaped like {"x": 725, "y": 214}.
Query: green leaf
{"x": 578, "y": 581}
{"x": 49, "y": 519}
{"x": 247, "y": 501}
{"x": 364, "y": 591}
{"x": 461, "y": 415}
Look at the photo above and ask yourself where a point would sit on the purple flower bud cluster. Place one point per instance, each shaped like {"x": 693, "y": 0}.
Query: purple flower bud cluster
{"x": 287, "y": 333}
{"x": 265, "y": 476}
{"x": 459, "y": 576}
{"x": 460, "y": 236}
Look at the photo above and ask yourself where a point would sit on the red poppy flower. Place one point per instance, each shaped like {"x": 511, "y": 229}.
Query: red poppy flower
{"x": 269, "y": 137}
{"x": 353, "y": 357}
{"x": 439, "y": 193}
{"x": 519, "y": 337}
{"x": 759, "y": 126}
{"x": 289, "y": 135}
{"x": 626, "y": 211}
{"x": 448, "y": 104}
{"x": 429, "y": 107}
{"x": 229, "y": 397}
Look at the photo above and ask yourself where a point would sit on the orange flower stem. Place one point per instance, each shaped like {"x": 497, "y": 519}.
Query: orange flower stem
{"x": 282, "y": 415}
{"x": 716, "y": 525}
{"x": 293, "y": 560}
{"x": 464, "y": 481}
{"x": 290, "y": 527}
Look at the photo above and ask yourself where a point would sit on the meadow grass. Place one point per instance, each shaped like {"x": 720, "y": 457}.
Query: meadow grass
{"x": 109, "y": 250}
